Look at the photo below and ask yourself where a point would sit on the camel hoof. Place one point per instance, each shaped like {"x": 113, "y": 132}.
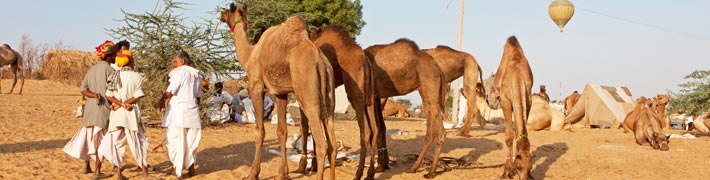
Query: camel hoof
{"x": 370, "y": 178}
{"x": 411, "y": 170}
{"x": 86, "y": 170}
{"x": 506, "y": 175}
{"x": 430, "y": 175}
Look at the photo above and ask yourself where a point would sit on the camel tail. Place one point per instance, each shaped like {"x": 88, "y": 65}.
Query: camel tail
{"x": 369, "y": 82}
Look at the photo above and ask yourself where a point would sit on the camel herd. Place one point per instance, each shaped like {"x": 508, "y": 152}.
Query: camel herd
{"x": 286, "y": 60}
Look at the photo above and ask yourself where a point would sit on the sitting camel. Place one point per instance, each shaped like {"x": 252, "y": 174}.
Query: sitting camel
{"x": 570, "y": 101}
{"x": 8, "y": 56}
{"x": 513, "y": 84}
{"x": 455, "y": 64}
{"x": 659, "y": 107}
{"x": 630, "y": 119}
{"x": 646, "y": 126}
{"x": 393, "y": 108}
{"x": 543, "y": 115}
{"x": 400, "y": 68}
{"x": 284, "y": 51}
{"x": 702, "y": 122}
{"x": 488, "y": 114}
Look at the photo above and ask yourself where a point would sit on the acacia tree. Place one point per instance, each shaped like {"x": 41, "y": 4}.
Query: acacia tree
{"x": 156, "y": 36}
{"x": 694, "y": 98}
{"x": 263, "y": 14}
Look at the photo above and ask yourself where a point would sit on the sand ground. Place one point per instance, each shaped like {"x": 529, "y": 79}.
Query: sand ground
{"x": 34, "y": 127}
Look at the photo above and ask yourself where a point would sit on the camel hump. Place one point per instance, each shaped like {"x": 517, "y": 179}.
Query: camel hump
{"x": 295, "y": 23}
{"x": 342, "y": 31}
{"x": 407, "y": 42}
{"x": 513, "y": 41}
{"x": 6, "y": 46}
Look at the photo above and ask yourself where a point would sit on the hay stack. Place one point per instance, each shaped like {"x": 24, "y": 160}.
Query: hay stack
{"x": 68, "y": 66}
{"x": 232, "y": 85}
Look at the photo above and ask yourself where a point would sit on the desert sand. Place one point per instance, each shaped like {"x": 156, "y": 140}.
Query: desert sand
{"x": 35, "y": 126}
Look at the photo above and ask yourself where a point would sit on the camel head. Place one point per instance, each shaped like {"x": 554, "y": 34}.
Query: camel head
{"x": 660, "y": 141}
{"x": 234, "y": 15}
{"x": 661, "y": 99}
{"x": 643, "y": 101}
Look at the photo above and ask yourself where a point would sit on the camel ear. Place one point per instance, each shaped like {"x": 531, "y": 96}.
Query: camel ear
{"x": 232, "y": 7}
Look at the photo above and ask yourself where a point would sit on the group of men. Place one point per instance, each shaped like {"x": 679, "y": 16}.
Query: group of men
{"x": 238, "y": 108}
{"x": 112, "y": 113}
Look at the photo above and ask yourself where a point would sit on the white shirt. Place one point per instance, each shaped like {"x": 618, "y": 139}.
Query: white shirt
{"x": 217, "y": 110}
{"x": 131, "y": 87}
{"x": 183, "y": 110}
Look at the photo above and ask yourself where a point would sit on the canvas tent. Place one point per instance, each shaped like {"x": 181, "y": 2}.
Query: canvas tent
{"x": 343, "y": 109}
{"x": 601, "y": 106}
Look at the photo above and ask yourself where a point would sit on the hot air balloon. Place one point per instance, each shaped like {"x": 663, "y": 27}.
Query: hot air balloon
{"x": 561, "y": 11}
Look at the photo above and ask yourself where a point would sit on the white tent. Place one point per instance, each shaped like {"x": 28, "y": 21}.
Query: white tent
{"x": 601, "y": 106}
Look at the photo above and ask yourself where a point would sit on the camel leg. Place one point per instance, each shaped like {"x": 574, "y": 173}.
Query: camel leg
{"x": 304, "y": 143}
{"x": 509, "y": 138}
{"x": 318, "y": 133}
{"x": 281, "y": 101}
{"x": 523, "y": 159}
{"x": 436, "y": 92}
{"x": 471, "y": 112}
{"x": 256, "y": 93}
{"x": 365, "y": 137}
{"x": 381, "y": 135}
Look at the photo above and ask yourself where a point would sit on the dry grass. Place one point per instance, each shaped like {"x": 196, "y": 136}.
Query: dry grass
{"x": 68, "y": 66}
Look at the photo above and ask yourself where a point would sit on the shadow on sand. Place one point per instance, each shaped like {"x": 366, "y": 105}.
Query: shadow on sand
{"x": 32, "y": 146}
{"x": 480, "y": 147}
{"x": 551, "y": 152}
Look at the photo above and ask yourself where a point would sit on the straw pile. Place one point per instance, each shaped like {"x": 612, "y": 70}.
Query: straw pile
{"x": 68, "y": 66}
{"x": 232, "y": 85}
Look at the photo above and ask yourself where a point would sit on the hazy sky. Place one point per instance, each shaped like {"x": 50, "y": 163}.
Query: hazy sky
{"x": 594, "y": 48}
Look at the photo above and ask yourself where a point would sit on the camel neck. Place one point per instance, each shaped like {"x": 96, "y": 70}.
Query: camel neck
{"x": 243, "y": 46}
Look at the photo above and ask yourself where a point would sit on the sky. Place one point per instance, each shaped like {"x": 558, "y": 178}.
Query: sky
{"x": 647, "y": 46}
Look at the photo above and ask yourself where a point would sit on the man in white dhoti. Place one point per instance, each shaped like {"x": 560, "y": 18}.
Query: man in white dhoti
{"x": 463, "y": 108}
{"x": 182, "y": 116}
{"x": 219, "y": 105}
{"x": 124, "y": 91}
{"x": 250, "y": 113}
{"x": 86, "y": 141}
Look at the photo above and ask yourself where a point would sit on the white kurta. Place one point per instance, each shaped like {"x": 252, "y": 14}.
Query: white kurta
{"x": 461, "y": 117}
{"x": 113, "y": 145}
{"x": 183, "y": 110}
{"x": 182, "y": 117}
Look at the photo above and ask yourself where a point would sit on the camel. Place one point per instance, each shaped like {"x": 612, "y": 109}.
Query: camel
{"x": 630, "y": 119}
{"x": 513, "y": 84}
{"x": 543, "y": 115}
{"x": 702, "y": 122}
{"x": 659, "y": 107}
{"x": 646, "y": 127}
{"x": 353, "y": 70}
{"x": 570, "y": 101}
{"x": 455, "y": 64}
{"x": 284, "y": 51}
{"x": 8, "y": 56}
{"x": 400, "y": 68}
{"x": 395, "y": 109}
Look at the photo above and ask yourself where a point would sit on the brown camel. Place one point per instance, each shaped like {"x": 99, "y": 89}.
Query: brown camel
{"x": 400, "y": 68}
{"x": 630, "y": 119}
{"x": 570, "y": 101}
{"x": 659, "y": 107}
{"x": 513, "y": 84}
{"x": 395, "y": 109}
{"x": 8, "y": 56}
{"x": 543, "y": 116}
{"x": 646, "y": 126}
{"x": 455, "y": 64}
{"x": 284, "y": 51}
{"x": 354, "y": 70}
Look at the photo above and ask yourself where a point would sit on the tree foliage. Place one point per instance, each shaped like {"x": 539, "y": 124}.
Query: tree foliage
{"x": 404, "y": 102}
{"x": 694, "y": 98}
{"x": 155, "y": 38}
{"x": 263, "y": 14}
